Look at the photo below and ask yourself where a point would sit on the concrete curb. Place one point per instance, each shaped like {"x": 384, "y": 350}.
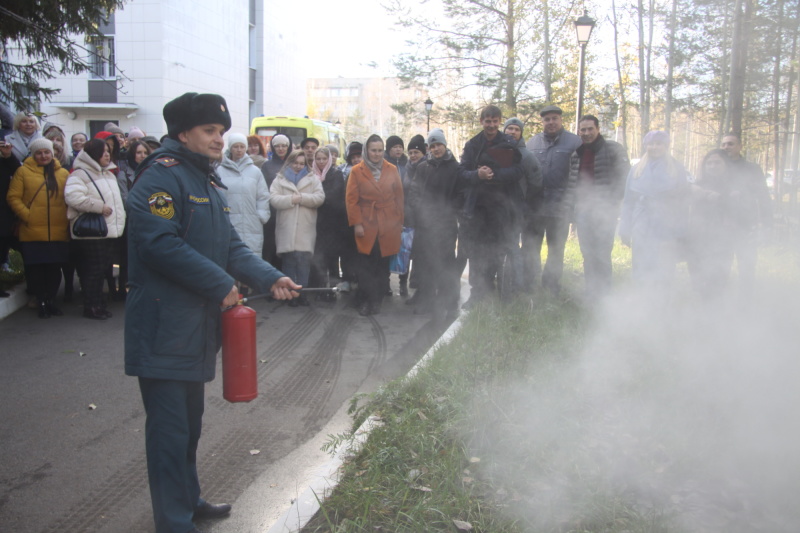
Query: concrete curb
{"x": 327, "y": 476}
{"x": 16, "y": 301}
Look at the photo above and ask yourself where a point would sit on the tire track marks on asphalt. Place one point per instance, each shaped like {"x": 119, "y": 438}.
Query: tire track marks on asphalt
{"x": 290, "y": 340}
{"x": 380, "y": 339}
{"x": 310, "y": 382}
{"x": 97, "y": 508}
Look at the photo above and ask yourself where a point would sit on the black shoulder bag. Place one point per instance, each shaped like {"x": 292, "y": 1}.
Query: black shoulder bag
{"x": 91, "y": 224}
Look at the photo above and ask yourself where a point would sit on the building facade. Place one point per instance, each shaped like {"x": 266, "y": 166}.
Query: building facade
{"x": 154, "y": 50}
{"x": 368, "y": 105}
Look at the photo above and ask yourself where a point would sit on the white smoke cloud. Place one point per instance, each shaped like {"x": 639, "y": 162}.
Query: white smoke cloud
{"x": 681, "y": 414}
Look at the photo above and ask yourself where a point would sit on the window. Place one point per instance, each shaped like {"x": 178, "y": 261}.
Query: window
{"x": 102, "y": 57}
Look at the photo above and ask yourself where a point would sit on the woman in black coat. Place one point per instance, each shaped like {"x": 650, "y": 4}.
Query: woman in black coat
{"x": 280, "y": 146}
{"x": 333, "y": 230}
{"x": 433, "y": 209}
{"x": 8, "y": 165}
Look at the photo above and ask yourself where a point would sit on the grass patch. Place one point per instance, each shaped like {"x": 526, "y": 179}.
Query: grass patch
{"x": 540, "y": 416}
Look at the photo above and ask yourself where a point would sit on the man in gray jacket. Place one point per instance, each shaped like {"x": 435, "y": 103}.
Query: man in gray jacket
{"x": 550, "y": 215}
{"x": 597, "y": 175}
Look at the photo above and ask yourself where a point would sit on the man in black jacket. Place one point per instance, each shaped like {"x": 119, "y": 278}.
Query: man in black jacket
{"x": 758, "y": 215}
{"x": 491, "y": 169}
{"x": 598, "y": 170}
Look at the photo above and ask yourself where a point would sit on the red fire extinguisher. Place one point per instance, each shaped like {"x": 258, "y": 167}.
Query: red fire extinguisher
{"x": 239, "y": 373}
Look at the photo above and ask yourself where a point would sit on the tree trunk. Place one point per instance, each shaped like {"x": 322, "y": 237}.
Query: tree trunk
{"x": 644, "y": 111}
{"x": 741, "y": 34}
{"x": 511, "y": 97}
{"x": 670, "y": 66}
{"x": 548, "y": 80}
{"x": 620, "y": 85}
{"x": 724, "y": 85}
{"x": 776, "y": 101}
{"x": 648, "y": 71}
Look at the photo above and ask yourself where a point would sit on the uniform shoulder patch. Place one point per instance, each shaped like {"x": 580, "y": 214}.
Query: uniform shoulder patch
{"x": 161, "y": 205}
{"x": 167, "y": 161}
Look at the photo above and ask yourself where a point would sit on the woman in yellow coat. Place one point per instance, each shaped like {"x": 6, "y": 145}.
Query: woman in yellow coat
{"x": 375, "y": 211}
{"x": 36, "y": 195}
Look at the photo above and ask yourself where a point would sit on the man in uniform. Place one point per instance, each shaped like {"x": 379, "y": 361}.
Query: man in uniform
{"x": 550, "y": 218}
{"x": 598, "y": 170}
{"x": 756, "y": 212}
{"x": 184, "y": 259}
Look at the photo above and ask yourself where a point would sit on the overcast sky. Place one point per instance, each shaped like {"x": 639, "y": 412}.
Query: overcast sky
{"x": 343, "y": 40}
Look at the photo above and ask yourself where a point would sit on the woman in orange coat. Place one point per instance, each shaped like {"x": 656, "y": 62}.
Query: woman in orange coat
{"x": 375, "y": 210}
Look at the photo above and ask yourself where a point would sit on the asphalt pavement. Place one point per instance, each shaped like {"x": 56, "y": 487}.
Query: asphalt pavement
{"x": 72, "y": 441}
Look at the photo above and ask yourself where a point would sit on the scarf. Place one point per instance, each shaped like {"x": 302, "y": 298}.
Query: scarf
{"x": 447, "y": 156}
{"x": 293, "y": 176}
{"x": 27, "y": 139}
{"x": 375, "y": 168}
{"x": 324, "y": 172}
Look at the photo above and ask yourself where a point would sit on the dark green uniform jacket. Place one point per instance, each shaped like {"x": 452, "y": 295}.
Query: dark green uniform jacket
{"x": 184, "y": 256}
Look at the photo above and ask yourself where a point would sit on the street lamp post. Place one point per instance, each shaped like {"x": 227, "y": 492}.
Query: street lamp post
{"x": 428, "y": 107}
{"x": 583, "y": 27}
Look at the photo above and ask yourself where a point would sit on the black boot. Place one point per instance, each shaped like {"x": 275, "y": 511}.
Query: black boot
{"x": 52, "y": 309}
{"x": 43, "y": 311}
{"x": 403, "y": 287}
{"x": 95, "y": 313}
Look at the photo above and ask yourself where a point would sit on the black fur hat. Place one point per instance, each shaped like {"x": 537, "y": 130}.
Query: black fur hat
{"x": 192, "y": 109}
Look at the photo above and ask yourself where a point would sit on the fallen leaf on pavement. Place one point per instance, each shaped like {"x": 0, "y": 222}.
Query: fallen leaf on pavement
{"x": 92, "y": 407}
{"x": 255, "y": 452}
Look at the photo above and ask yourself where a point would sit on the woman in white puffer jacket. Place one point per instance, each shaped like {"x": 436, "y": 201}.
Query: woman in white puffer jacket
{"x": 93, "y": 188}
{"x": 247, "y": 193}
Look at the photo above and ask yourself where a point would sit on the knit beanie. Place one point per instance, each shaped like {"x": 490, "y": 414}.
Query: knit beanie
{"x": 40, "y": 143}
{"x": 280, "y": 139}
{"x": 135, "y": 133}
{"x": 236, "y": 138}
{"x": 113, "y": 128}
{"x": 417, "y": 142}
{"x": 192, "y": 109}
{"x": 514, "y": 121}
{"x": 436, "y": 136}
{"x": 394, "y": 140}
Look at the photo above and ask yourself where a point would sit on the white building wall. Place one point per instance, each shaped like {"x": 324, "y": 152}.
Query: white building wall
{"x": 165, "y": 48}
{"x": 283, "y": 74}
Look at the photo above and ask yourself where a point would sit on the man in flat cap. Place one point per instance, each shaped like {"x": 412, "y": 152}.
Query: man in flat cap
{"x": 184, "y": 259}
{"x": 550, "y": 213}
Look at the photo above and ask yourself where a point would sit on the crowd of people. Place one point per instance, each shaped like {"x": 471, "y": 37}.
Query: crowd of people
{"x": 201, "y": 217}
{"x": 327, "y": 224}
